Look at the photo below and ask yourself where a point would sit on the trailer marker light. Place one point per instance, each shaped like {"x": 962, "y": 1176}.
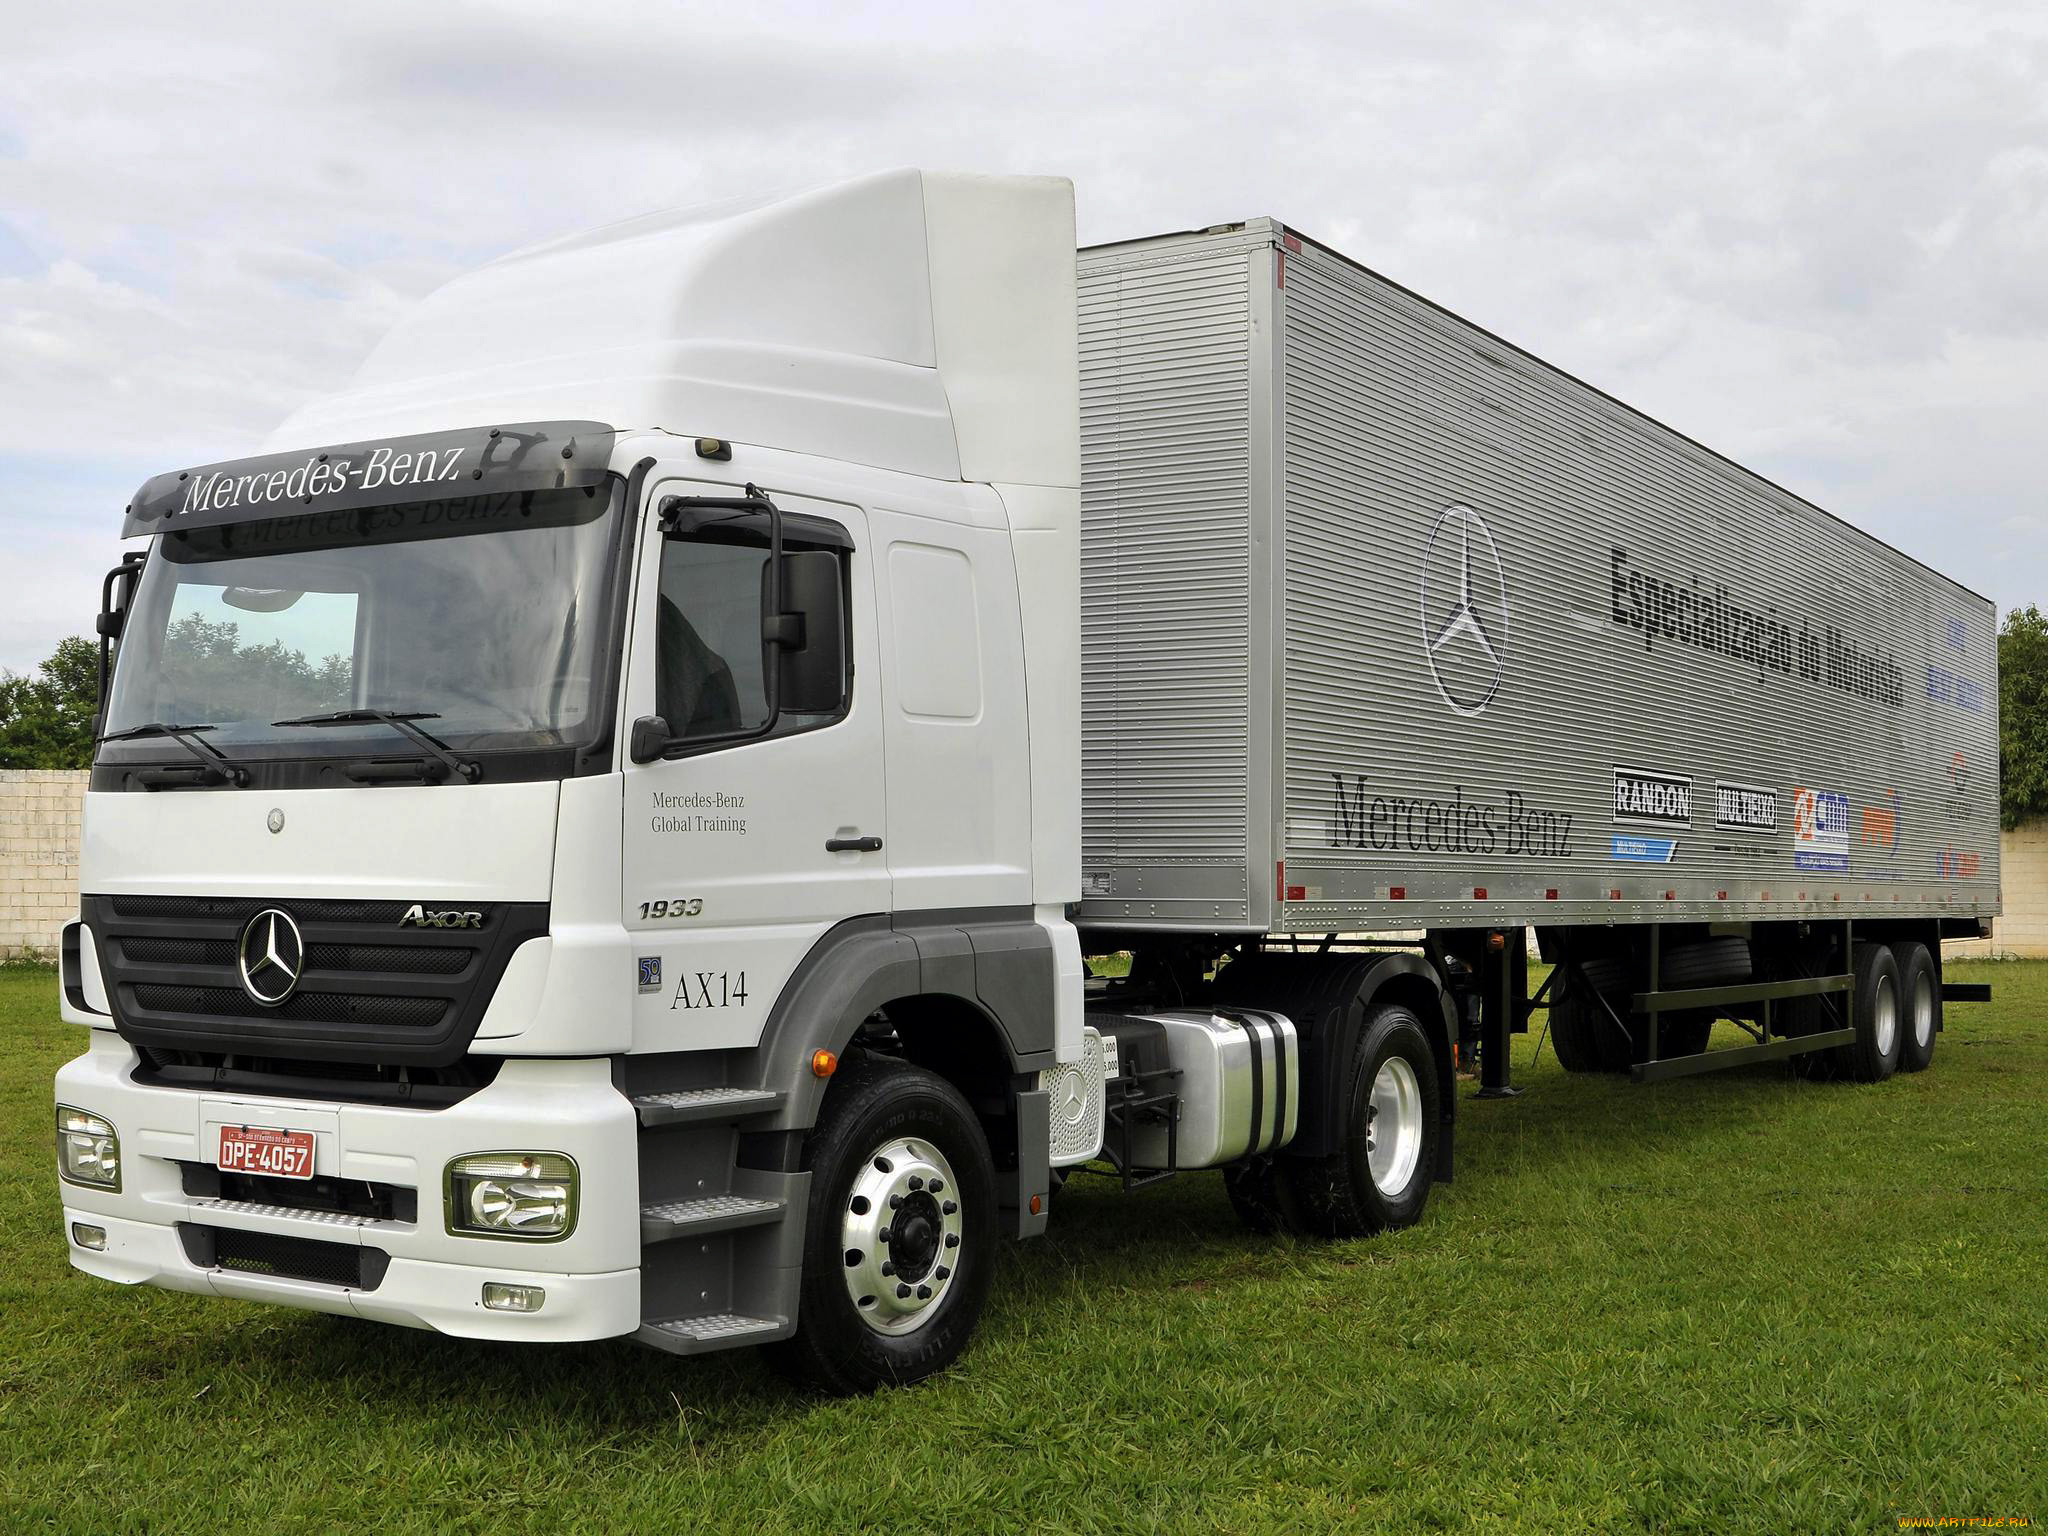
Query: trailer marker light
{"x": 1397, "y": 893}
{"x": 88, "y": 1236}
{"x": 1479, "y": 893}
{"x": 1720, "y": 895}
{"x": 1671, "y": 895}
{"x": 1550, "y": 894}
{"x": 823, "y": 1063}
{"x": 1763, "y": 896}
{"x": 1037, "y": 1204}
{"x": 1614, "y": 895}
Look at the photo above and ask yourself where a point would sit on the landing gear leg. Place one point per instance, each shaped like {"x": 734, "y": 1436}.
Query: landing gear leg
{"x": 1503, "y": 1008}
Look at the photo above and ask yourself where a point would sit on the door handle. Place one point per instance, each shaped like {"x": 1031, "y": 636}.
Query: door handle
{"x": 853, "y": 845}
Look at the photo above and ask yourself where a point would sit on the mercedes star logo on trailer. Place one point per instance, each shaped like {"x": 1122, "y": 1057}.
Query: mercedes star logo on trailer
{"x": 271, "y": 956}
{"x": 1464, "y": 610}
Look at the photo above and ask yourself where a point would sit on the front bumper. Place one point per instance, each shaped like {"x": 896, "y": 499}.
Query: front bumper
{"x": 434, "y": 1278}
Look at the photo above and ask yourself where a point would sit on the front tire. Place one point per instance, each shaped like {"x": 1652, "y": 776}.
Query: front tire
{"x": 900, "y": 1232}
{"x": 1380, "y": 1179}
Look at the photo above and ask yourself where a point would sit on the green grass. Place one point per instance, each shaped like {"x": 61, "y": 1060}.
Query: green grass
{"x": 1738, "y": 1302}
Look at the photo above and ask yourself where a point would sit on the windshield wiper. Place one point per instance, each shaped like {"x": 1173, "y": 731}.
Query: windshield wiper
{"x": 219, "y": 770}
{"x": 400, "y": 720}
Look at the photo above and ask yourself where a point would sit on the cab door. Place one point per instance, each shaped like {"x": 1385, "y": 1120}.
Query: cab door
{"x": 740, "y": 853}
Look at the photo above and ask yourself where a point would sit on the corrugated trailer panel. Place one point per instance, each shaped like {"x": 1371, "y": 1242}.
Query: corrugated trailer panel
{"x": 1476, "y": 702}
{"x": 1166, "y": 607}
{"x": 1531, "y": 643}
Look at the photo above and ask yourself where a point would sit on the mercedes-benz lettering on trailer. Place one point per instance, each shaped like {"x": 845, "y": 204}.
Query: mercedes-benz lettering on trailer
{"x": 596, "y": 830}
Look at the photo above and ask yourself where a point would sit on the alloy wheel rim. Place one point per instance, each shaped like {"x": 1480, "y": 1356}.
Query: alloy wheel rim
{"x": 1887, "y": 1030}
{"x": 900, "y": 1235}
{"x": 1394, "y": 1132}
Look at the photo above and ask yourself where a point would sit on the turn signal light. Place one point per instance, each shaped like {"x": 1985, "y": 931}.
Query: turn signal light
{"x": 823, "y": 1063}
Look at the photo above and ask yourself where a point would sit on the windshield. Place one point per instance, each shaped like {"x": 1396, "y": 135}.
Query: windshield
{"x": 484, "y": 615}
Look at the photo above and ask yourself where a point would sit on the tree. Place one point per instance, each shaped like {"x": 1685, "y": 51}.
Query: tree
{"x": 2023, "y": 715}
{"x": 46, "y": 718}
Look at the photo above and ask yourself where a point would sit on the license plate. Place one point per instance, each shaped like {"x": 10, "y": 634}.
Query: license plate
{"x": 259, "y": 1149}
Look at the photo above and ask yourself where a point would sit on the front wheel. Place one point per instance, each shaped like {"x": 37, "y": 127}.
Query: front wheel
{"x": 1381, "y": 1177}
{"x": 900, "y": 1234}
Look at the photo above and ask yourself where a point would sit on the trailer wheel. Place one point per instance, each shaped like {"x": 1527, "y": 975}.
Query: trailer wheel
{"x": 1879, "y": 1020}
{"x": 1582, "y": 1034}
{"x": 1920, "y": 999}
{"x": 1380, "y": 1178}
{"x": 900, "y": 1232}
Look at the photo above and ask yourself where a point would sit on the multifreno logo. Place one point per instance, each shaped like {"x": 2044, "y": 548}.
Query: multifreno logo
{"x": 1820, "y": 830}
{"x": 1745, "y": 807}
{"x": 1661, "y": 799}
{"x": 1464, "y": 610}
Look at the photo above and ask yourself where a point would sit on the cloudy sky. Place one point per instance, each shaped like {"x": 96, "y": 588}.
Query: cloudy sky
{"x": 1813, "y": 235}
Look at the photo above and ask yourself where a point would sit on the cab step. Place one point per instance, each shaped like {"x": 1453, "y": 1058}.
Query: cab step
{"x": 714, "y": 1330}
{"x": 716, "y": 1213}
{"x": 705, "y": 1106}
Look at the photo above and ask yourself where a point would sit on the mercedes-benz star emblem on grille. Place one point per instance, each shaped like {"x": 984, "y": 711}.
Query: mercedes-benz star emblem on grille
{"x": 1464, "y": 610}
{"x": 271, "y": 956}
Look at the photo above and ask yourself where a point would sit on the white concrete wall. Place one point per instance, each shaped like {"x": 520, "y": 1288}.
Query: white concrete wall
{"x": 2023, "y": 882}
{"x": 40, "y": 813}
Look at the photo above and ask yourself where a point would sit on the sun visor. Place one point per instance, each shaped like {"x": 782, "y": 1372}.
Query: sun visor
{"x": 477, "y": 461}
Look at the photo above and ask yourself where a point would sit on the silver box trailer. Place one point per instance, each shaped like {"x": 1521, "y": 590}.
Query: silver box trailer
{"x": 1389, "y": 625}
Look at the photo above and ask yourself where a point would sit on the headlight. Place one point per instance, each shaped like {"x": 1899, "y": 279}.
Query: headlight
{"x": 512, "y": 1194}
{"x": 88, "y": 1151}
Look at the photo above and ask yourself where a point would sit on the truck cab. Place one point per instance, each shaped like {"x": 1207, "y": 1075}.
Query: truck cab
{"x": 646, "y": 699}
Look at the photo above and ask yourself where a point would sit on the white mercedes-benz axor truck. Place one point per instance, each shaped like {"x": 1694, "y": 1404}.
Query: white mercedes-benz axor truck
{"x": 744, "y": 746}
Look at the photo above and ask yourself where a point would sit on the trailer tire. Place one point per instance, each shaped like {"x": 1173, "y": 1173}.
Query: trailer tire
{"x": 1581, "y": 1033}
{"x": 1920, "y": 1005}
{"x": 881, "y": 1111}
{"x": 1380, "y": 1178}
{"x": 1879, "y": 1019}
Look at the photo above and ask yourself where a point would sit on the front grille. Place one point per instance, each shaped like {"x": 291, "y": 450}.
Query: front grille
{"x": 299, "y": 1008}
{"x": 245, "y": 907}
{"x": 343, "y": 1082}
{"x": 319, "y": 957}
{"x": 287, "y": 1258}
{"x": 369, "y": 990}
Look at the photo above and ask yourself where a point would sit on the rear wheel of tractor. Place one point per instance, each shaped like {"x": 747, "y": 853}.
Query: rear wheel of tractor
{"x": 899, "y": 1242}
{"x": 1879, "y": 1018}
{"x": 1920, "y": 996}
{"x": 1380, "y": 1178}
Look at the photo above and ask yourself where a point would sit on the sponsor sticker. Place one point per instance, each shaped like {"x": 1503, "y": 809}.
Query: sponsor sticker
{"x": 1745, "y": 807}
{"x": 1820, "y": 830}
{"x": 1662, "y": 799}
{"x": 1632, "y": 849}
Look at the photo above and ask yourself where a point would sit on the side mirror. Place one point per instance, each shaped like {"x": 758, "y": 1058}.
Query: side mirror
{"x": 807, "y": 640}
{"x": 117, "y": 592}
{"x": 649, "y": 740}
